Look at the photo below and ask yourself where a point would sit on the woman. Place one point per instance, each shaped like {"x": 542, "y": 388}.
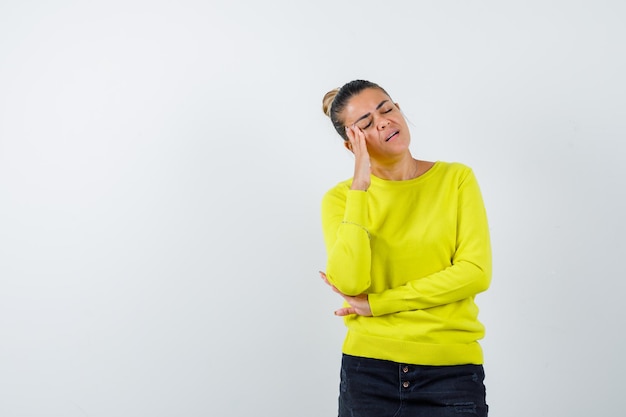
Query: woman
{"x": 408, "y": 249}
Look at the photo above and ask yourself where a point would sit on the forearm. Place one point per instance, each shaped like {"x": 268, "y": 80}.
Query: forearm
{"x": 455, "y": 283}
{"x": 348, "y": 243}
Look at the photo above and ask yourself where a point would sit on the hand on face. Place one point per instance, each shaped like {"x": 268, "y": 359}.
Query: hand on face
{"x": 373, "y": 114}
{"x": 362, "y": 170}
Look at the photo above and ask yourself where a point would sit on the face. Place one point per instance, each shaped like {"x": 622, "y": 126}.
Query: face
{"x": 380, "y": 120}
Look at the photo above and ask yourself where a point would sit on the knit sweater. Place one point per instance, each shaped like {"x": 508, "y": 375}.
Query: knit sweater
{"x": 420, "y": 249}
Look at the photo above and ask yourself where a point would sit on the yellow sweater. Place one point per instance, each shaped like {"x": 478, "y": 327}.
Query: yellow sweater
{"x": 420, "y": 248}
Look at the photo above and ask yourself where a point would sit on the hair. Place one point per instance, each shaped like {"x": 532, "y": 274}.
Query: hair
{"x": 336, "y": 100}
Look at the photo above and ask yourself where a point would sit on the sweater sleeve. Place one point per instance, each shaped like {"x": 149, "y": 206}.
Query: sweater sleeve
{"x": 344, "y": 224}
{"x": 469, "y": 272}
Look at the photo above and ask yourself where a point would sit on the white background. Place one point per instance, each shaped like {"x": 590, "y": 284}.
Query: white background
{"x": 161, "y": 170}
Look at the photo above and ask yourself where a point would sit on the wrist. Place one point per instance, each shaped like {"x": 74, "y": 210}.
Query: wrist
{"x": 359, "y": 185}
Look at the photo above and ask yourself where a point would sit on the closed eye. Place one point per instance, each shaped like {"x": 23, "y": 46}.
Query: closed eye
{"x": 364, "y": 124}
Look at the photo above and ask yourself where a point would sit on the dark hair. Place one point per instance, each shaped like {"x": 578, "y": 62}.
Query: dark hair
{"x": 336, "y": 100}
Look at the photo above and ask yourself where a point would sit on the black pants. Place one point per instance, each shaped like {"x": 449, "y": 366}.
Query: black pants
{"x": 377, "y": 388}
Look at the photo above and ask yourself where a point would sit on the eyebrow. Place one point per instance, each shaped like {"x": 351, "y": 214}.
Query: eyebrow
{"x": 366, "y": 115}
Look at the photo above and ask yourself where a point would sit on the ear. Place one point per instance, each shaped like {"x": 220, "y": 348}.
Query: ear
{"x": 348, "y": 145}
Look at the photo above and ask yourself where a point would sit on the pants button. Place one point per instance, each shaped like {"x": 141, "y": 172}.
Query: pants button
{"x": 405, "y": 384}
{"x": 405, "y": 369}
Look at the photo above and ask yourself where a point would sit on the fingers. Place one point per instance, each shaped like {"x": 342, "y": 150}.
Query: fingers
{"x": 356, "y": 305}
{"x": 349, "y": 133}
{"x": 325, "y": 279}
{"x": 357, "y": 139}
{"x": 345, "y": 311}
{"x": 362, "y": 170}
{"x": 353, "y": 132}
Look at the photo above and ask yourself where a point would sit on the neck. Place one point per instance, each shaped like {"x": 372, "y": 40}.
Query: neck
{"x": 402, "y": 169}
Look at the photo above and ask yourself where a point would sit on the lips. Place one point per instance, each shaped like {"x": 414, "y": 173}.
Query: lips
{"x": 393, "y": 135}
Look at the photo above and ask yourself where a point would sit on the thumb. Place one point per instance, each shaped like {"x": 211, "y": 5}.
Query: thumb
{"x": 345, "y": 311}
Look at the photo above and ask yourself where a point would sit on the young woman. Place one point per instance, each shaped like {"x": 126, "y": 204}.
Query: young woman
{"x": 408, "y": 250}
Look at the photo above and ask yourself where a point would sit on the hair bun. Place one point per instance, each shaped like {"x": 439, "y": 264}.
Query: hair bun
{"x": 327, "y": 102}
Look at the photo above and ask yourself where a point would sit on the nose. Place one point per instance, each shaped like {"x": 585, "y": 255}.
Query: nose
{"x": 383, "y": 123}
